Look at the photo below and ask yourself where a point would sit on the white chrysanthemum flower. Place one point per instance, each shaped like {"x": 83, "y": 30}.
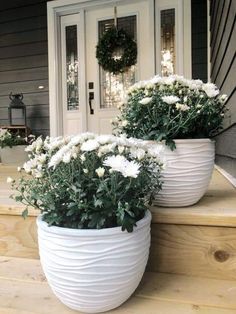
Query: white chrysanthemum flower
{"x": 82, "y": 158}
{"x": 115, "y": 162}
{"x": 89, "y": 145}
{"x": 138, "y": 153}
{"x": 131, "y": 169}
{"x": 223, "y": 98}
{"x": 105, "y": 139}
{"x": 124, "y": 123}
{"x": 121, "y": 149}
{"x": 100, "y": 171}
{"x": 182, "y": 107}
{"x": 85, "y": 170}
{"x": 121, "y": 164}
{"x": 170, "y": 99}
{"x": 210, "y": 89}
{"x": 145, "y": 100}
{"x": 19, "y": 169}
{"x": 9, "y": 180}
{"x": 67, "y": 157}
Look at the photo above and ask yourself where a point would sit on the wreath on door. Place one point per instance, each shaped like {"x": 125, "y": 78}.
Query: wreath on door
{"x": 116, "y": 51}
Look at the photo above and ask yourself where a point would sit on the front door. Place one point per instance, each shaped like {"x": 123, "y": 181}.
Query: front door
{"x": 91, "y": 96}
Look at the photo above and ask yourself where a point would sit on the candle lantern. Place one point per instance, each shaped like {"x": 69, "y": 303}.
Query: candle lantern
{"x": 17, "y": 110}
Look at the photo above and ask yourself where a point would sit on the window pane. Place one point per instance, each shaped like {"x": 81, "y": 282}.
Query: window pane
{"x": 113, "y": 87}
{"x": 167, "y": 42}
{"x": 72, "y": 68}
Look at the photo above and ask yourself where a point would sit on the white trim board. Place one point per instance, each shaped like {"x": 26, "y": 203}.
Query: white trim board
{"x": 228, "y": 176}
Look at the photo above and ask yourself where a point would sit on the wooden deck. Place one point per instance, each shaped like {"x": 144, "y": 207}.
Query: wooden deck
{"x": 186, "y": 277}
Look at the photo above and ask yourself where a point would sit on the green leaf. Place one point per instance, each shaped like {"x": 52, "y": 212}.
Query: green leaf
{"x": 25, "y": 213}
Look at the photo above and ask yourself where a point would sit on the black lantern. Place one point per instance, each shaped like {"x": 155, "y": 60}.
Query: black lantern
{"x": 17, "y": 110}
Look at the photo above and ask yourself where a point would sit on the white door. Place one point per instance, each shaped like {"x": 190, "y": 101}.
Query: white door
{"x": 91, "y": 96}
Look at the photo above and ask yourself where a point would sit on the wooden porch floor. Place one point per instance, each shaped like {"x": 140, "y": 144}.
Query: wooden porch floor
{"x": 24, "y": 290}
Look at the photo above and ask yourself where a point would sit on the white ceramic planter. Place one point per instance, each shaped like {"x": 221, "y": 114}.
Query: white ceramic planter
{"x": 94, "y": 270}
{"x": 14, "y": 155}
{"x": 187, "y": 174}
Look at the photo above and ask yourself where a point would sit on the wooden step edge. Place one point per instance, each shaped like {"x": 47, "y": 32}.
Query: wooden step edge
{"x": 154, "y": 286}
{"x": 16, "y": 210}
{"x": 223, "y": 217}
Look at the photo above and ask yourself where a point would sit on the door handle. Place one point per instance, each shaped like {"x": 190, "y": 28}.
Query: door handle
{"x": 91, "y": 98}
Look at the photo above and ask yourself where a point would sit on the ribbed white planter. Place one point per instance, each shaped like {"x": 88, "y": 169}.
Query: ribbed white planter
{"x": 15, "y": 155}
{"x": 188, "y": 172}
{"x": 94, "y": 270}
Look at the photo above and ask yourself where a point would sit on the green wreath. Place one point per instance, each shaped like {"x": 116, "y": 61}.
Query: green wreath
{"x": 109, "y": 43}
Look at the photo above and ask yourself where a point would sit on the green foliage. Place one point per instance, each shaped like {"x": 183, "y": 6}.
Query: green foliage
{"x": 73, "y": 186}
{"x": 8, "y": 139}
{"x": 196, "y": 111}
{"x": 112, "y": 41}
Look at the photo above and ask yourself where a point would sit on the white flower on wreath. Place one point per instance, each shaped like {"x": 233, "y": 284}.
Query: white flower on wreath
{"x": 145, "y": 100}
{"x": 170, "y": 100}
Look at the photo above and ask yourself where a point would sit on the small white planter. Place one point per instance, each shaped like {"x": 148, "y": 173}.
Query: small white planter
{"x": 15, "y": 155}
{"x": 94, "y": 270}
{"x": 187, "y": 174}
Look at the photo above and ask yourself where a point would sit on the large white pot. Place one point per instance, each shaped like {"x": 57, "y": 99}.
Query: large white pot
{"x": 15, "y": 155}
{"x": 187, "y": 174}
{"x": 94, "y": 270}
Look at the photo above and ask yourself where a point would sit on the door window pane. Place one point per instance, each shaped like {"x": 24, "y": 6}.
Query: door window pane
{"x": 72, "y": 68}
{"x": 113, "y": 87}
{"x": 167, "y": 42}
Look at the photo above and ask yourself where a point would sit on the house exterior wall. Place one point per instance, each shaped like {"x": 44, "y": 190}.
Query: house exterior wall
{"x": 199, "y": 39}
{"x": 24, "y": 60}
{"x": 223, "y": 74}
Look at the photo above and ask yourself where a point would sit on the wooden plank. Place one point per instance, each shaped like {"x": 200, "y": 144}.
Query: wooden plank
{"x": 6, "y": 5}
{"x": 23, "y": 25}
{"x": 23, "y": 37}
{"x": 187, "y": 289}
{"x": 23, "y": 12}
{"x": 156, "y": 286}
{"x": 18, "y": 237}
{"x": 30, "y": 49}
{"x": 194, "y": 250}
{"x": 24, "y": 62}
{"x": 169, "y": 294}
{"x": 23, "y": 87}
{"x": 38, "y": 111}
{"x": 24, "y": 75}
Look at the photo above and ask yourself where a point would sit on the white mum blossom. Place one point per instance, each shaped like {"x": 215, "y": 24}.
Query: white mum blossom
{"x": 131, "y": 169}
{"x": 121, "y": 164}
{"x": 67, "y": 157}
{"x": 170, "y": 99}
{"x": 182, "y": 107}
{"x": 145, "y": 100}
{"x": 100, "y": 171}
{"x": 90, "y": 145}
{"x": 85, "y": 170}
{"x": 10, "y": 180}
{"x": 210, "y": 89}
{"x": 124, "y": 123}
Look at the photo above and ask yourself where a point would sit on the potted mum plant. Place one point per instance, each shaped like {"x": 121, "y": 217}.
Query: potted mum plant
{"x": 13, "y": 147}
{"x": 94, "y": 231}
{"x": 182, "y": 114}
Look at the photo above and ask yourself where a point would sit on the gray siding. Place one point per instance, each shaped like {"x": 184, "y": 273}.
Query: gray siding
{"x": 24, "y": 60}
{"x": 199, "y": 39}
{"x": 223, "y": 74}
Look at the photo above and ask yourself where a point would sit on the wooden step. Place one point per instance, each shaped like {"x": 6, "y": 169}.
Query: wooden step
{"x": 24, "y": 290}
{"x": 196, "y": 241}
{"x": 199, "y": 240}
